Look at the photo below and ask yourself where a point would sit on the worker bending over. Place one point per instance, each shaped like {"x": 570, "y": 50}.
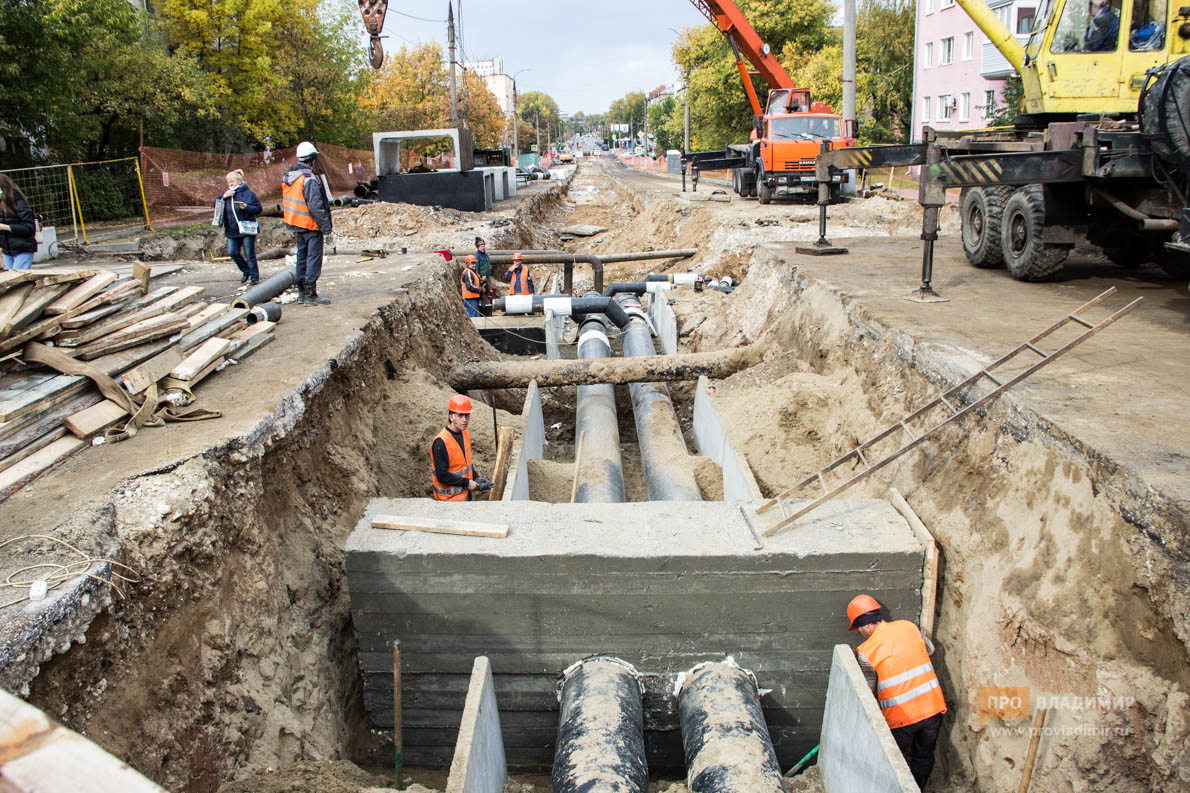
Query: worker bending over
{"x": 451, "y": 471}
{"x": 469, "y": 287}
{"x": 895, "y": 658}
{"x": 518, "y": 278}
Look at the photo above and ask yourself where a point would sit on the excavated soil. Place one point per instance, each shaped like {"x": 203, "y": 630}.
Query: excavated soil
{"x": 232, "y": 667}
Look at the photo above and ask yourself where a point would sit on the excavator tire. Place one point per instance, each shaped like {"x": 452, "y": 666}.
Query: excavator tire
{"x": 1022, "y": 233}
{"x": 982, "y": 210}
{"x": 1165, "y": 113}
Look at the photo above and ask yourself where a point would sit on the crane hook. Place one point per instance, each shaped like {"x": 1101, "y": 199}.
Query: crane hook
{"x": 373, "y": 12}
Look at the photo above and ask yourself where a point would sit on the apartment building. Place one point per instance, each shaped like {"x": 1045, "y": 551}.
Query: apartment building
{"x": 499, "y": 83}
{"x": 958, "y": 75}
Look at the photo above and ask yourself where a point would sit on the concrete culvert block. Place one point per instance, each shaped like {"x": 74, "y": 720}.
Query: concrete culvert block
{"x": 601, "y": 731}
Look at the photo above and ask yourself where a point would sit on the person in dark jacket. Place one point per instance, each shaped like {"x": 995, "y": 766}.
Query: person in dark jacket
{"x": 240, "y": 204}
{"x": 307, "y": 211}
{"x": 17, "y": 227}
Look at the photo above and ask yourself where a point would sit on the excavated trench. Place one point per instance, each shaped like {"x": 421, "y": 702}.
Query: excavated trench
{"x": 236, "y": 656}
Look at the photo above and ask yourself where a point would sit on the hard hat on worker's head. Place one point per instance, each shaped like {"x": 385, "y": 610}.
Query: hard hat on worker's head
{"x": 306, "y": 150}
{"x": 859, "y": 606}
{"x": 516, "y": 257}
{"x": 469, "y": 260}
{"x": 459, "y": 404}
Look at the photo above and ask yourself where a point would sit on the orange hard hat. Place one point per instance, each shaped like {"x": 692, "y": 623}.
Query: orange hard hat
{"x": 516, "y": 257}
{"x": 860, "y": 605}
{"x": 469, "y": 260}
{"x": 459, "y": 404}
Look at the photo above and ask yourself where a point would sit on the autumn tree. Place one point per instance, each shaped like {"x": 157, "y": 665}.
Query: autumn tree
{"x": 482, "y": 112}
{"x": 540, "y": 110}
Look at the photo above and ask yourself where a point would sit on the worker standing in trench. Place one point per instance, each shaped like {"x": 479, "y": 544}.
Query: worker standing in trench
{"x": 895, "y": 659}
{"x": 518, "y": 278}
{"x": 469, "y": 287}
{"x": 451, "y": 472}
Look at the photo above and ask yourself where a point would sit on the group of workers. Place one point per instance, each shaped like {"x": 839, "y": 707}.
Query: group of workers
{"x": 475, "y": 280}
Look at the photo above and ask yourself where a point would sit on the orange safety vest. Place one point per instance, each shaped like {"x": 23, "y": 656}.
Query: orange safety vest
{"x": 520, "y": 282}
{"x": 469, "y": 283}
{"x": 458, "y": 463}
{"x": 293, "y": 205}
{"x": 906, "y": 687}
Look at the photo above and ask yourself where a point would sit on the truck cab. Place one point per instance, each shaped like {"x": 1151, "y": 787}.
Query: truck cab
{"x": 786, "y": 147}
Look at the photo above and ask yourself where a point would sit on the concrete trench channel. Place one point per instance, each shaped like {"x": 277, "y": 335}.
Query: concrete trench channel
{"x": 247, "y": 647}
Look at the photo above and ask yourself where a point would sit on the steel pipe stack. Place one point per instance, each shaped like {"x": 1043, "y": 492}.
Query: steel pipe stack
{"x": 724, "y": 736}
{"x": 668, "y": 472}
{"x": 601, "y": 731}
{"x": 600, "y": 477}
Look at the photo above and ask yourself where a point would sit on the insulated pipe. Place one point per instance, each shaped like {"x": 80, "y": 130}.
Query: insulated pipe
{"x": 601, "y": 730}
{"x": 567, "y": 260}
{"x": 599, "y": 472}
{"x": 724, "y": 736}
{"x": 631, "y": 256}
{"x": 268, "y": 311}
{"x": 562, "y": 304}
{"x": 668, "y": 472}
{"x": 618, "y": 287}
{"x": 266, "y": 290}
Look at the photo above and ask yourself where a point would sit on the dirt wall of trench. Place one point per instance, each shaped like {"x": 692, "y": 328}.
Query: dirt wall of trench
{"x": 1060, "y": 571}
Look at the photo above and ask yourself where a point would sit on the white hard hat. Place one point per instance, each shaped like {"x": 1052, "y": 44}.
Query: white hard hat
{"x": 305, "y": 150}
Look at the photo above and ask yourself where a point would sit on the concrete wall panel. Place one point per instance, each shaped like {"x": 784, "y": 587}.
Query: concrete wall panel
{"x": 479, "y": 765}
{"x": 531, "y": 446}
{"x": 739, "y": 484}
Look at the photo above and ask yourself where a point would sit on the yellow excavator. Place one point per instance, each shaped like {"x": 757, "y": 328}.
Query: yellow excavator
{"x": 1099, "y": 152}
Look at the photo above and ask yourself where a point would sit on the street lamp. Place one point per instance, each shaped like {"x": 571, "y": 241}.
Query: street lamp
{"x": 686, "y": 102}
{"x": 516, "y": 141}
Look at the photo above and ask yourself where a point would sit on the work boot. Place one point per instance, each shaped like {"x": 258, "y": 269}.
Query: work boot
{"x": 301, "y": 290}
{"x": 312, "y": 298}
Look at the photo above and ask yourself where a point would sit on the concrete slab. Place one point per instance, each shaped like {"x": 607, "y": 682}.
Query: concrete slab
{"x": 858, "y": 753}
{"x": 479, "y": 765}
{"x": 739, "y": 484}
{"x": 531, "y": 446}
{"x": 662, "y": 585}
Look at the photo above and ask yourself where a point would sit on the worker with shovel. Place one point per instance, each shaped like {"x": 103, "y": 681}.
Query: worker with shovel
{"x": 895, "y": 658}
{"x": 451, "y": 472}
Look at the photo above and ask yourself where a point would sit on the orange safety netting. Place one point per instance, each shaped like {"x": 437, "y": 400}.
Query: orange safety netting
{"x": 176, "y": 178}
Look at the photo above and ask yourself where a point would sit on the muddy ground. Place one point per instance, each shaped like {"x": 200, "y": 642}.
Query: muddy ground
{"x": 1060, "y": 511}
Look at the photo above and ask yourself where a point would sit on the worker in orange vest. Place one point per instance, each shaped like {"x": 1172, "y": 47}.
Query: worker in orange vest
{"x": 451, "y": 471}
{"x": 306, "y": 210}
{"x": 469, "y": 287}
{"x": 518, "y": 278}
{"x": 895, "y": 657}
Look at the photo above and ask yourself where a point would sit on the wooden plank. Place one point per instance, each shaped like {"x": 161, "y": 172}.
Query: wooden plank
{"x": 32, "y": 447}
{"x": 179, "y": 298}
{"x": 42, "y": 277}
{"x": 196, "y": 361}
{"x": 929, "y": 585}
{"x": 95, "y": 419}
{"x": 25, "y": 429}
{"x": 463, "y": 527}
{"x": 143, "y": 325}
{"x": 252, "y": 331}
{"x": 94, "y": 315}
{"x": 210, "y": 312}
{"x": 141, "y": 273}
{"x": 31, "y": 308}
{"x": 218, "y": 325}
{"x": 65, "y": 761}
{"x": 141, "y": 377}
{"x": 119, "y": 291}
{"x": 82, "y": 336}
{"x": 105, "y": 347}
{"x": 503, "y": 449}
{"x": 37, "y": 464}
{"x": 80, "y": 294}
{"x": 11, "y": 302}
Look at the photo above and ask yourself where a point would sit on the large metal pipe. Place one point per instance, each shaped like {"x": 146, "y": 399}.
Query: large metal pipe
{"x": 668, "y": 472}
{"x": 629, "y": 256}
{"x": 267, "y": 289}
{"x": 601, "y": 731}
{"x": 724, "y": 736}
{"x": 600, "y": 473}
{"x": 568, "y": 260}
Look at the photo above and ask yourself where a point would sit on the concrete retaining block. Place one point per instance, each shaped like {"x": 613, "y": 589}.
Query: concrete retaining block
{"x": 665, "y": 322}
{"x": 479, "y": 765}
{"x": 530, "y": 447}
{"x": 739, "y": 484}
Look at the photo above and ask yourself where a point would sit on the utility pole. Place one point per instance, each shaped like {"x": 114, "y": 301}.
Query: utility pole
{"x": 686, "y": 128}
{"x": 537, "y": 129}
{"x": 450, "y": 38}
{"x": 516, "y": 141}
{"x": 849, "y": 119}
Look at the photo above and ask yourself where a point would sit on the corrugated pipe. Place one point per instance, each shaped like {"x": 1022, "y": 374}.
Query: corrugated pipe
{"x": 266, "y": 290}
{"x": 601, "y": 731}
{"x": 668, "y": 472}
{"x": 562, "y": 305}
{"x": 724, "y": 736}
{"x": 600, "y": 475}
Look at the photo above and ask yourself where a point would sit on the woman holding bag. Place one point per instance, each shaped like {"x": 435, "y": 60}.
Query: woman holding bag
{"x": 240, "y": 207}
{"x": 17, "y": 227}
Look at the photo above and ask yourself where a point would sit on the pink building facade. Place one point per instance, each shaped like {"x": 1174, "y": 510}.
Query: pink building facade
{"x": 958, "y": 76}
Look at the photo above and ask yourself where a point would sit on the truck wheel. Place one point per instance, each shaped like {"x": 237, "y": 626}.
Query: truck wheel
{"x": 752, "y": 184}
{"x": 764, "y": 193}
{"x": 982, "y": 210}
{"x": 735, "y": 181}
{"x": 1022, "y": 234}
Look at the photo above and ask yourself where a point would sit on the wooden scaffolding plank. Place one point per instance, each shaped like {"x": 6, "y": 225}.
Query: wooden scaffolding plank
{"x": 81, "y": 294}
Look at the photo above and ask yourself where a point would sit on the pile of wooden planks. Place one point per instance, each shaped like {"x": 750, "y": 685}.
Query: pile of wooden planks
{"x": 118, "y": 323}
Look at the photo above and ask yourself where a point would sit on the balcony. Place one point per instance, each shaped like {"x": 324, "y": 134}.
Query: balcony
{"x": 993, "y": 64}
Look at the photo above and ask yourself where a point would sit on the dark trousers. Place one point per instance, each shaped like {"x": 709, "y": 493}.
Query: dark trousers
{"x": 916, "y": 742}
{"x": 309, "y": 256}
{"x": 242, "y": 251}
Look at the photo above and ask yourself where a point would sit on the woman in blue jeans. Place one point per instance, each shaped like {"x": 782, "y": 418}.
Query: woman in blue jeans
{"x": 240, "y": 203}
{"x": 17, "y": 227}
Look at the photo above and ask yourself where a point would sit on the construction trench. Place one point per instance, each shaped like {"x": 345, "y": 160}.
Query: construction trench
{"x": 255, "y": 653}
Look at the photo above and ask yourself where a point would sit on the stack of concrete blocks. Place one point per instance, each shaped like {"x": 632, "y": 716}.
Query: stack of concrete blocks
{"x": 662, "y": 585}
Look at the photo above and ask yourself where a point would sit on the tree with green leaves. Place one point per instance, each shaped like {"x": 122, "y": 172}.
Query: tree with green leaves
{"x": 538, "y": 110}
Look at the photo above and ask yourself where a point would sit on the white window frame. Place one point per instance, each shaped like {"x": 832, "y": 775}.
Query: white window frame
{"x": 929, "y": 6}
{"x": 968, "y": 45}
{"x": 989, "y": 98}
{"x": 946, "y": 51}
{"x": 947, "y": 4}
{"x": 945, "y": 107}
{"x": 965, "y": 107}
{"x": 927, "y": 55}
{"x": 925, "y": 111}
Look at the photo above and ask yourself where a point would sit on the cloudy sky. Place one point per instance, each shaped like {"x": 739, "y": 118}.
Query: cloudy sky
{"x": 584, "y": 55}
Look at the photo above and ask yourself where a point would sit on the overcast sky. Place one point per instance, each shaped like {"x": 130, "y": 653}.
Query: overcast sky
{"x": 584, "y": 55}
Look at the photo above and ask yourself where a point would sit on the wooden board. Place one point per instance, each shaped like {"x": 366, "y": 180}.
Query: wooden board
{"x": 198, "y": 360}
{"x": 138, "y": 379}
{"x": 23, "y": 430}
{"x": 95, "y": 419}
{"x": 208, "y": 313}
{"x": 141, "y": 273}
{"x": 219, "y": 324}
{"x": 929, "y": 587}
{"x": 104, "y": 347}
{"x": 181, "y": 297}
{"x": 42, "y": 276}
{"x": 37, "y": 464}
{"x": 32, "y": 447}
{"x": 463, "y": 527}
{"x": 31, "y": 308}
{"x": 94, "y": 315}
{"x": 81, "y": 293}
{"x": 253, "y": 330}
{"x": 10, "y": 303}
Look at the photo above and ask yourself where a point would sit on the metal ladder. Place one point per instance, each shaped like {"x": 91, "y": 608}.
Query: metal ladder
{"x": 946, "y": 400}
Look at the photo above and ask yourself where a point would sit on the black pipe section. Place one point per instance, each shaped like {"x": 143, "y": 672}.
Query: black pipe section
{"x": 600, "y": 472}
{"x": 724, "y": 736}
{"x": 601, "y": 731}
{"x": 579, "y": 306}
{"x": 668, "y": 472}
{"x": 266, "y": 290}
{"x": 616, "y": 287}
{"x": 269, "y": 311}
